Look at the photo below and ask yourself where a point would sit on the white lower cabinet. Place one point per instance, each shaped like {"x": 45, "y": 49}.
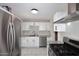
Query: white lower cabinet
{"x": 30, "y": 42}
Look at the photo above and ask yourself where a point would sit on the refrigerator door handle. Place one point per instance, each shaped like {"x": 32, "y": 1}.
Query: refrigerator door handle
{"x": 11, "y": 31}
{"x": 13, "y": 39}
{"x": 9, "y": 38}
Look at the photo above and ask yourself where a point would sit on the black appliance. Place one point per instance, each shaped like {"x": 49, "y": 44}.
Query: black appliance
{"x": 69, "y": 48}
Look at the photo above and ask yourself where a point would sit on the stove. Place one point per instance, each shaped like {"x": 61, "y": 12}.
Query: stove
{"x": 63, "y": 49}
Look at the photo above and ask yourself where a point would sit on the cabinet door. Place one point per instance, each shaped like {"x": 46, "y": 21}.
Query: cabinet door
{"x": 59, "y": 27}
{"x": 24, "y": 42}
{"x": 55, "y": 28}
{"x": 37, "y": 42}
{"x": 29, "y": 42}
{"x": 33, "y": 42}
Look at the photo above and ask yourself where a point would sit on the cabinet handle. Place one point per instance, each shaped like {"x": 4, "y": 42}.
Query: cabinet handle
{"x": 55, "y": 27}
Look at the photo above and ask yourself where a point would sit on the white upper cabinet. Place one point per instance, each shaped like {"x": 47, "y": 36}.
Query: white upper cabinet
{"x": 45, "y": 26}
{"x": 59, "y": 27}
{"x": 59, "y": 15}
{"x": 26, "y": 25}
{"x": 41, "y": 26}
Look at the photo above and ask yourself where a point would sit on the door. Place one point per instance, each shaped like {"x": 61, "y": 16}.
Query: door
{"x": 17, "y": 35}
{"x": 9, "y": 34}
{"x": 4, "y": 21}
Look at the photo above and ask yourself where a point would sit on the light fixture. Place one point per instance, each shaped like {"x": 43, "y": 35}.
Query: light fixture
{"x": 69, "y": 23}
{"x": 34, "y": 11}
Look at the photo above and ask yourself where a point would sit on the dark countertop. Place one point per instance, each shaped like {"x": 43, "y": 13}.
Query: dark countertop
{"x": 62, "y": 50}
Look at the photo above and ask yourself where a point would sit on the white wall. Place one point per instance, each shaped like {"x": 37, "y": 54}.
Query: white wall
{"x": 60, "y": 36}
{"x": 52, "y": 37}
{"x": 72, "y": 30}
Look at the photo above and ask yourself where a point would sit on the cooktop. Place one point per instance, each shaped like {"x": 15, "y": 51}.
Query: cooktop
{"x": 65, "y": 49}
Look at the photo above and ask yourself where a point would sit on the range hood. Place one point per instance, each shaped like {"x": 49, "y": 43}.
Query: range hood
{"x": 73, "y": 14}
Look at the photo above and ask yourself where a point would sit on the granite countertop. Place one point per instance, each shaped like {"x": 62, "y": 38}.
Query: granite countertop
{"x": 55, "y": 42}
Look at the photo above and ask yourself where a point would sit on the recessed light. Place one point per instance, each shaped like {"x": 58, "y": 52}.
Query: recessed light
{"x": 34, "y": 11}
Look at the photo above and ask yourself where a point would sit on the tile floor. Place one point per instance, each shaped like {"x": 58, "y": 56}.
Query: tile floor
{"x": 34, "y": 52}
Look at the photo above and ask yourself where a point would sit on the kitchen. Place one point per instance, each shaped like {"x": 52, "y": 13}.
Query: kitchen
{"x": 47, "y": 29}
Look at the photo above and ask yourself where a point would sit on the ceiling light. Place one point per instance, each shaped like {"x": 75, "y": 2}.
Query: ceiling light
{"x": 69, "y": 23}
{"x": 34, "y": 11}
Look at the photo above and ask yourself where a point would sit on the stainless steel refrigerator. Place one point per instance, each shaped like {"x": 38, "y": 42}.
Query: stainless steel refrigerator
{"x": 10, "y": 33}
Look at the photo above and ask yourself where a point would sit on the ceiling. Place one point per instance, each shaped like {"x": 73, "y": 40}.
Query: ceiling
{"x": 46, "y": 10}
